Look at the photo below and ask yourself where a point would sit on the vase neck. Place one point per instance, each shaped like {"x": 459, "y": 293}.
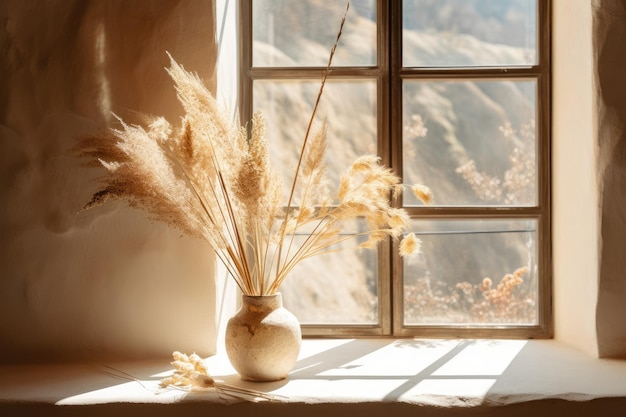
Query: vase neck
{"x": 262, "y": 302}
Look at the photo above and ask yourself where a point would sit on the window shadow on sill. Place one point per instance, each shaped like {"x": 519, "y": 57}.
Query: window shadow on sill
{"x": 447, "y": 373}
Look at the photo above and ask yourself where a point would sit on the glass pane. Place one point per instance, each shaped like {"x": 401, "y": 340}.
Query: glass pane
{"x": 472, "y": 272}
{"x": 340, "y": 287}
{"x": 469, "y": 33}
{"x": 472, "y": 142}
{"x": 348, "y": 107}
{"x": 289, "y": 33}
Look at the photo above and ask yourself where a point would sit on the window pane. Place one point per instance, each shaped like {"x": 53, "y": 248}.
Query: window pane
{"x": 472, "y": 272}
{"x": 472, "y": 142}
{"x": 469, "y": 33}
{"x": 348, "y": 107}
{"x": 288, "y": 33}
{"x": 340, "y": 287}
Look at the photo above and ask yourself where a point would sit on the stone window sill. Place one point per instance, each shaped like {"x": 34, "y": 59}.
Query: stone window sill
{"x": 339, "y": 376}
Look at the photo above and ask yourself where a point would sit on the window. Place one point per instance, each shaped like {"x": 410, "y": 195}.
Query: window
{"x": 450, "y": 93}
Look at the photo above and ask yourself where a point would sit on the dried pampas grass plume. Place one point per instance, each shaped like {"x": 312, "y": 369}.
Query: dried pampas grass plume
{"x": 211, "y": 179}
{"x": 410, "y": 245}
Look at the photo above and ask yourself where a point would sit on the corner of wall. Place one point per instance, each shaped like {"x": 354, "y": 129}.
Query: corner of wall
{"x": 609, "y": 36}
{"x": 575, "y": 195}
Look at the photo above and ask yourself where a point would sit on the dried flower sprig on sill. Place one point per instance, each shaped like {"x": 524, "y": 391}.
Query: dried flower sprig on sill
{"x": 211, "y": 181}
{"x": 191, "y": 374}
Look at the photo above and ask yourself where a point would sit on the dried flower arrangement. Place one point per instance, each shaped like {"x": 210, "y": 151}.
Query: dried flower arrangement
{"x": 212, "y": 179}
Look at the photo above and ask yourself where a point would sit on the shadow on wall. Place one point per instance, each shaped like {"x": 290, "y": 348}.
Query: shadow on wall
{"x": 609, "y": 37}
{"x": 105, "y": 282}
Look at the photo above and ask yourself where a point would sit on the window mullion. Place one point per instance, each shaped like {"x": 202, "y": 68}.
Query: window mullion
{"x": 245, "y": 61}
{"x": 395, "y": 132}
{"x": 386, "y": 152}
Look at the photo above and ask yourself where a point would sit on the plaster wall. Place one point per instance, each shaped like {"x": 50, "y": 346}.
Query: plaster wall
{"x": 105, "y": 282}
{"x": 589, "y": 175}
{"x": 609, "y": 30}
{"x": 574, "y": 193}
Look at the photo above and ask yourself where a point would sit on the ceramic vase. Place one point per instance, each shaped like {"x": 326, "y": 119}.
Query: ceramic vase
{"x": 263, "y": 339}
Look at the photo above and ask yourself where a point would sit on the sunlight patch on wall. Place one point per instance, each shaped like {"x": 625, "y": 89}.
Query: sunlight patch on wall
{"x": 104, "y": 93}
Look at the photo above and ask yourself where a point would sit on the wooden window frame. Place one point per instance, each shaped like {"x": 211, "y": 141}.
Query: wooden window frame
{"x": 389, "y": 75}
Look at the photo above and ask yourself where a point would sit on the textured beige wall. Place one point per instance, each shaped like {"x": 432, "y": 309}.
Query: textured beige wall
{"x": 105, "y": 282}
{"x": 609, "y": 37}
{"x": 589, "y": 168}
{"x": 108, "y": 282}
{"x": 574, "y": 191}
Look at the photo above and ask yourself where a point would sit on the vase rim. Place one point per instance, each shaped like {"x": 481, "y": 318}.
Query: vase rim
{"x": 277, "y": 294}
{"x": 271, "y": 301}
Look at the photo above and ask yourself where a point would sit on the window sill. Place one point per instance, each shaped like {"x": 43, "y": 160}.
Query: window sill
{"x": 339, "y": 376}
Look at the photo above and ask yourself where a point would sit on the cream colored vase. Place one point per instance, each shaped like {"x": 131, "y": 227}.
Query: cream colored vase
{"x": 263, "y": 338}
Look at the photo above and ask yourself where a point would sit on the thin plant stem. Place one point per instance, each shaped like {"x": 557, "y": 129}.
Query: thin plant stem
{"x": 308, "y": 129}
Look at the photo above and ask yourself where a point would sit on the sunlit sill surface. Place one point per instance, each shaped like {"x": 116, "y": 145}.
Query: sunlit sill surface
{"x": 339, "y": 376}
